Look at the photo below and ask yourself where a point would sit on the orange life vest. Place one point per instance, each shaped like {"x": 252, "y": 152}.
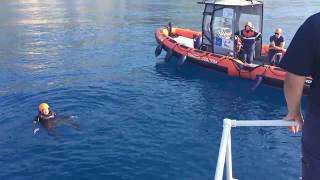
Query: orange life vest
{"x": 248, "y": 34}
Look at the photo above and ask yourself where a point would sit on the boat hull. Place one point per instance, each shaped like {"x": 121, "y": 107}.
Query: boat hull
{"x": 270, "y": 75}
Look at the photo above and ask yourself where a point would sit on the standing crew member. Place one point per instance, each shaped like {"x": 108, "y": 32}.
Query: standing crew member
{"x": 276, "y": 47}
{"x": 249, "y": 37}
{"x": 300, "y": 61}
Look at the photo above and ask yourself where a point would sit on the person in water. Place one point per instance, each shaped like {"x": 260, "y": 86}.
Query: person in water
{"x": 248, "y": 37}
{"x": 49, "y": 120}
{"x": 276, "y": 47}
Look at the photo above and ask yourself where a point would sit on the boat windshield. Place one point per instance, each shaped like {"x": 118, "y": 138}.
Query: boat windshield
{"x": 223, "y": 31}
{"x": 221, "y": 23}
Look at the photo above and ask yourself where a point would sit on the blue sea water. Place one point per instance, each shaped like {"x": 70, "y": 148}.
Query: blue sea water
{"x": 140, "y": 118}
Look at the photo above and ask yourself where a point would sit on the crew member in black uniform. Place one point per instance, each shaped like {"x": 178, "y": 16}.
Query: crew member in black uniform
{"x": 301, "y": 60}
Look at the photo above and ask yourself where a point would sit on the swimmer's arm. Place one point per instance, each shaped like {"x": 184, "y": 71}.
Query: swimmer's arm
{"x": 54, "y": 114}
{"x": 35, "y": 125}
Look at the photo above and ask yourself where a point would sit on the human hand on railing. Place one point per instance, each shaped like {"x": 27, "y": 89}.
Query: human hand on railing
{"x": 299, "y": 119}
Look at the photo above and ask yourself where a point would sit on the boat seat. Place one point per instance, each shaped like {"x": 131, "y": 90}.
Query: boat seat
{"x": 184, "y": 41}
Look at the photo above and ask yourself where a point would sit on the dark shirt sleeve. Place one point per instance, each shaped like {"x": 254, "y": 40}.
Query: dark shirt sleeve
{"x": 300, "y": 55}
{"x": 258, "y": 35}
{"x": 271, "y": 39}
{"x": 281, "y": 39}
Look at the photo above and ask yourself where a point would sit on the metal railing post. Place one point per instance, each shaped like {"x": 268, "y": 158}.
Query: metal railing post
{"x": 223, "y": 149}
{"x": 229, "y": 159}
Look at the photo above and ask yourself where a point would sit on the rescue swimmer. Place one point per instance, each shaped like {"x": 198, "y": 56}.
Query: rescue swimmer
{"x": 49, "y": 120}
{"x": 247, "y": 39}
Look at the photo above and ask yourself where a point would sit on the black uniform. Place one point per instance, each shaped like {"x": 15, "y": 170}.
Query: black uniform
{"x": 303, "y": 58}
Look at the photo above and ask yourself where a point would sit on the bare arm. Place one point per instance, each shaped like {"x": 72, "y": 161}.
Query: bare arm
{"x": 282, "y": 45}
{"x": 273, "y": 46}
{"x": 293, "y": 89}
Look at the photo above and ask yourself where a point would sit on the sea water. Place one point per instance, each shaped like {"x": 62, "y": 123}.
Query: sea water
{"x": 140, "y": 118}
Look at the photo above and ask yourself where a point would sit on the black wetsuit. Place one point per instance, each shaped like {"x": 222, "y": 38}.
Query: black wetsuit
{"x": 51, "y": 121}
{"x": 47, "y": 121}
{"x": 41, "y": 117}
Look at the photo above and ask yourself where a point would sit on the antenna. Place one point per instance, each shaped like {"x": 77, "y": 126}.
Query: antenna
{"x": 202, "y": 2}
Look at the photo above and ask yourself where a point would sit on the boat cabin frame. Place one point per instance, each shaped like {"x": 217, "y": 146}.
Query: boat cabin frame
{"x": 223, "y": 19}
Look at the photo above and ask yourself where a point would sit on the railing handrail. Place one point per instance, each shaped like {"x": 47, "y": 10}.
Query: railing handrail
{"x": 261, "y": 123}
{"x": 225, "y": 157}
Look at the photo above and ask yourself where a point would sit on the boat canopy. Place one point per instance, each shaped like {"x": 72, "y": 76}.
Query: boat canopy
{"x": 223, "y": 19}
{"x": 233, "y": 2}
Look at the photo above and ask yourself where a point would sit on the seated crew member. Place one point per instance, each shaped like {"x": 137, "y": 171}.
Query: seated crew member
{"x": 248, "y": 37}
{"x": 276, "y": 47}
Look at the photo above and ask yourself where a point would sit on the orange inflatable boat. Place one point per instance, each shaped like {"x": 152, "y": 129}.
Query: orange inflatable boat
{"x": 216, "y": 46}
{"x": 180, "y": 44}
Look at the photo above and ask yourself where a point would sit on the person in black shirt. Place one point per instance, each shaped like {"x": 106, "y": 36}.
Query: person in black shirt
{"x": 301, "y": 60}
{"x": 276, "y": 47}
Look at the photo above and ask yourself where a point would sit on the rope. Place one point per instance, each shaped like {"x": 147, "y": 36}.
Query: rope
{"x": 274, "y": 72}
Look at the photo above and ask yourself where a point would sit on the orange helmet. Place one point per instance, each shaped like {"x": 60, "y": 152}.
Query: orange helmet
{"x": 43, "y": 106}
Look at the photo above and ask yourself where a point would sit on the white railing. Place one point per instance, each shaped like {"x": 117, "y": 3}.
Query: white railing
{"x": 225, "y": 155}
